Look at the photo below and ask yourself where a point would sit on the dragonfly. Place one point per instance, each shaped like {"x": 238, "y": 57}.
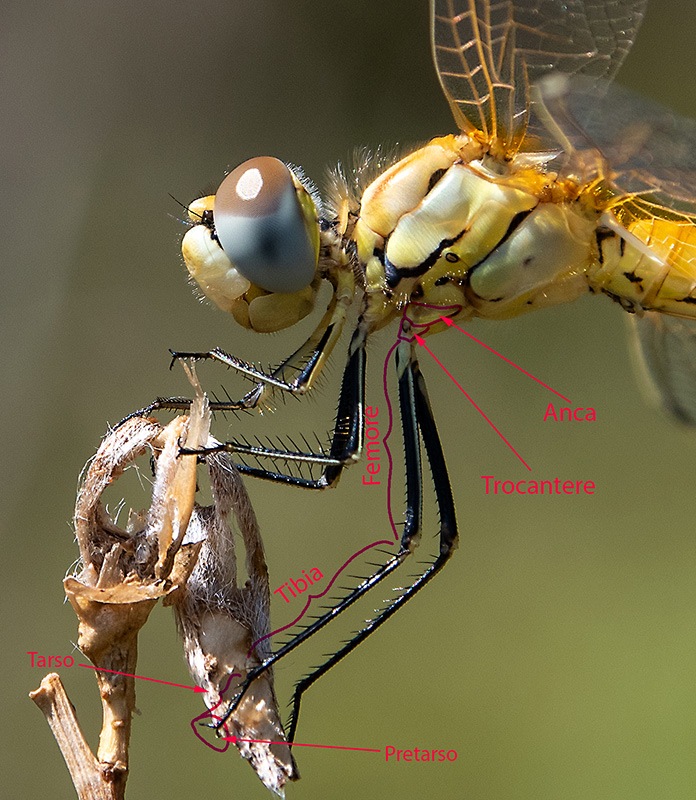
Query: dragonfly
{"x": 540, "y": 196}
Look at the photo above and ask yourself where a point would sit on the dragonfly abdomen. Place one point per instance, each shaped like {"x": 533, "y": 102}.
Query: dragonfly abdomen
{"x": 649, "y": 263}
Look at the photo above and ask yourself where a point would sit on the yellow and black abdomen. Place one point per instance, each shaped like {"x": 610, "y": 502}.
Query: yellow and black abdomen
{"x": 651, "y": 261}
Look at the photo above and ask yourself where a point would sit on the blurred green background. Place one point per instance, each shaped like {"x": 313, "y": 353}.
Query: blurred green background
{"x": 557, "y": 653}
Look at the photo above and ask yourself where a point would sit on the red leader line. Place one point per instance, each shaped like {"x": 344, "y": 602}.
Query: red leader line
{"x": 301, "y": 744}
{"x": 422, "y": 343}
{"x": 451, "y": 324}
{"x": 199, "y": 689}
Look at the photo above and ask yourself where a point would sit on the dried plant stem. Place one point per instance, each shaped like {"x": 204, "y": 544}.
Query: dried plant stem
{"x": 90, "y": 780}
{"x": 122, "y": 576}
{"x": 184, "y": 554}
{"x": 108, "y": 636}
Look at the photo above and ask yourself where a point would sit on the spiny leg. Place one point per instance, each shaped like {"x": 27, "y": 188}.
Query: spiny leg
{"x": 346, "y": 441}
{"x": 409, "y": 401}
{"x": 304, "y": 365}
{"x": 411, "y": 532}
{"x": 346, "y": 447}
{"x": 422, "y": 412}
{"x": 310, "y": 630}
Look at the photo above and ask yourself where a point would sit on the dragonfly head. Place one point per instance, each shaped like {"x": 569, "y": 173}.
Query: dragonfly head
{"x": 254, "y": 247}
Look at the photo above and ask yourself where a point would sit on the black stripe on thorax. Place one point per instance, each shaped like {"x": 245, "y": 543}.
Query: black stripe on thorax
{"x": 394, "y": 274}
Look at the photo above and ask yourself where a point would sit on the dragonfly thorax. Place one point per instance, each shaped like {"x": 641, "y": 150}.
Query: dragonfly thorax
{"x": 443, "y": 228}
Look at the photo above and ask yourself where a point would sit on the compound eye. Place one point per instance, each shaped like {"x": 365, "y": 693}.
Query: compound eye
{"x": 266, "y": 223}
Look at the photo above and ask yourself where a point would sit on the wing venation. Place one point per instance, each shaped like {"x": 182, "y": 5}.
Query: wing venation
{"x": 489, "y": 53}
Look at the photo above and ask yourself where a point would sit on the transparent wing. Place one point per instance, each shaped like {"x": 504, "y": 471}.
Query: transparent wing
{"x": 663, "y": 346}
{"x": 642, "y": 159}
{"x": 652, "y": 154}
{"x": 664, "y": 352}
{"x": 647, "y": 145}
{"x": 488, "y": 53}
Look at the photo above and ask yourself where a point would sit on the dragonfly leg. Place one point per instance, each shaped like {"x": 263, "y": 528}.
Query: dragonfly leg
{"x": 346, "y": 441}
{"x": 421, "y": 411}
{"x": 417, "y": 421}
{"x": 295, "y": 375}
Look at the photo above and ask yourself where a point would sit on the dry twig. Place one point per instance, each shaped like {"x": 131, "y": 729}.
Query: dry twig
{"x": 124, "y": 572}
